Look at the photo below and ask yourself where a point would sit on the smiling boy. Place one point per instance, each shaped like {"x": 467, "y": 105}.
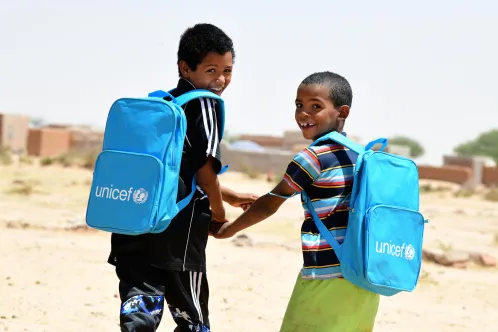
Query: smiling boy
{"x": 171, "y": 266}
{"x": 322, "y": 301}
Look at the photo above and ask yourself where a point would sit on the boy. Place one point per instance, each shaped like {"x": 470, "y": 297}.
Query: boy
{"x": 321, "y": 300}
{"x": 171, "y": 266}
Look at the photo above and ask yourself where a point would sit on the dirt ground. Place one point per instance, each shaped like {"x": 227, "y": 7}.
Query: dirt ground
{"x": 54, "y": 278}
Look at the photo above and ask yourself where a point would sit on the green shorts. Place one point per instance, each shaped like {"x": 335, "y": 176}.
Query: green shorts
{"x": 332, "y": 305}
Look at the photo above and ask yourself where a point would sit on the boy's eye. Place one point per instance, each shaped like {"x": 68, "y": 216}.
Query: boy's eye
{"x": 315, "y": 106}
{"x": 298, "y": 105}
{"x": 212, "y": 70}
{"x": 228, "y": 70}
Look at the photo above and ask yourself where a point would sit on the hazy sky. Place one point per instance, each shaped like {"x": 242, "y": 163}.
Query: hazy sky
{"x": 425, "y": 69}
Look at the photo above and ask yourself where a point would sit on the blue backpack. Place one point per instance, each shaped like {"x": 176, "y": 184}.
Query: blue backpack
{"x": 382, "y": 248}
{"x": 135, "y": 180}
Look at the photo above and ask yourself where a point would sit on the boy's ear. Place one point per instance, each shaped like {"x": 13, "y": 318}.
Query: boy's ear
{"x": 343, "y": 112}
{"x": 184, "y": 69}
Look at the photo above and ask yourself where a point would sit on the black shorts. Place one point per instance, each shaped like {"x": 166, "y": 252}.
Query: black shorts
{"x": 145, "y": 292}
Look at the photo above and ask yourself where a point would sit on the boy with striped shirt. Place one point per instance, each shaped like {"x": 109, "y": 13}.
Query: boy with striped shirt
{"x": 322, "y": 300}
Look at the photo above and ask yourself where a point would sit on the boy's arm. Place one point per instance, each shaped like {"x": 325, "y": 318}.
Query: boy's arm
{"x": 237, "y": 199}
{"x": 228, "y": 195}
{"x": 204, "y": 150}
{"x": 263, "y": 208}
{"x": 207, "y": 179}
{"x": 304, "y": 169}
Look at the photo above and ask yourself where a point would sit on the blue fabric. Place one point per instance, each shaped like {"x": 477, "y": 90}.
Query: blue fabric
{"x": 135, "y": 182}
{"x": 382, "y": 248}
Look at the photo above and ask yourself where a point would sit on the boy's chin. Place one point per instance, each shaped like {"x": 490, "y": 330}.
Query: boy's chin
{"x": 307, "y": 135}
{"x": 218, "y": 93}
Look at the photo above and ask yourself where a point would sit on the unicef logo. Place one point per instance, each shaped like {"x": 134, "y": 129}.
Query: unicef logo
{"x": 409, "y": 252}
{"x": 140, "y": 196}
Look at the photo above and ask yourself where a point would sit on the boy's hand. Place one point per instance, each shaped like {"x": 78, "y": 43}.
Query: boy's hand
{"x": 218, "y": 215}
{"x": 243, "y": 201}
{"x": 214, "y": 227}
{"x": 218, "y": 218}
{"x": 225, "y": 231}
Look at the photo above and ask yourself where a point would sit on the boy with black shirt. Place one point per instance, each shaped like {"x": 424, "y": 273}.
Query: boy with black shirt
{"x": 171, "y": 266}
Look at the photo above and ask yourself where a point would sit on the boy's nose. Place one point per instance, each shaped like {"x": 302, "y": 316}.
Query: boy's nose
{"x": 221, "y": 79}
{"x": 303, "y": 114}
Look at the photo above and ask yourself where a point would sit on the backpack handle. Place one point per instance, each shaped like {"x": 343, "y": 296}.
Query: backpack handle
{"x": 162, "y": 94}
{"x": 377, "y": 141}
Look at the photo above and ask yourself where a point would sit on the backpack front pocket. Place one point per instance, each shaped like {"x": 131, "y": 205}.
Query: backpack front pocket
{"x": 125, "y": 188}
{"x": 393, "y": 246}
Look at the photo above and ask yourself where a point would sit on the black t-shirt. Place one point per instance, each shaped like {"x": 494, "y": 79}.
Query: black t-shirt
{"x": 182, "y": 245}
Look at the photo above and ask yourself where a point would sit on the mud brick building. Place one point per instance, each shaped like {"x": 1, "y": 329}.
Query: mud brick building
{"x": 14, "y": 132}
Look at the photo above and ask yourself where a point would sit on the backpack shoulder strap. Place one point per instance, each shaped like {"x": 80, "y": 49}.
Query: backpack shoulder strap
{"x": 322, "y": 228}
{"x": 191, "y": 95}
{"x": 186, "y": 97}
{"x": 341, "y": 139}
{"x": 162, "y": 94}
{"x": 201, "y": 93}
{"x": 194, "y": 94}
{"x": 180, "y": 101}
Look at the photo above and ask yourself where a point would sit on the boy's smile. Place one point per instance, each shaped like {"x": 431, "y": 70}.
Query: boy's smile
{"x": 316, "y": 115}
{"x": 214, "y": 73}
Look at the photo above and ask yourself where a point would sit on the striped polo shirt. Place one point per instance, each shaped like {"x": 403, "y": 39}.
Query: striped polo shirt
{"x": 325, "y": 173}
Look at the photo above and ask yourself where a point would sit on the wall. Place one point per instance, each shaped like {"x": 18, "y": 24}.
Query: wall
{"x": 86, "y": 140}
{"x": 458, "y": 161}
{"x": 266, "y": 141}
{"x": 292, "y": 138}
{"x": 48, "y": 142}
{"x": 277, "y": 163}
{"x": 14, "y": 132}
{"x": 255, "y": 161}
{"x": 454, "y": 174}
{"x": 490, "y": 176}
{"x": 483, "y": 168}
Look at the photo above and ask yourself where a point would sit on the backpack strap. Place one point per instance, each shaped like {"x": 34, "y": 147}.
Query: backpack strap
{"x": 202, "y": 93}
{"x": 341, "y": 139}
{"x": 184, "y": 202}
{"x": 322, "y": 228}
{"x": 194, "y": 94}
{"x": 191, "y": 95}
{"x": 180, "y": 101}
{"x": 162, "y": 94}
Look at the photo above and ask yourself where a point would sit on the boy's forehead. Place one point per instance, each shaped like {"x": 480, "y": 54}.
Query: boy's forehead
{"x": 216, "y": 59}
{"x": 309, "y": 91}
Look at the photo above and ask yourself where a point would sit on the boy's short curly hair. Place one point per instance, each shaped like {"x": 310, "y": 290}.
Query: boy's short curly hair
{"x": 340, "y": 91}
{"x": 201, "y": 39}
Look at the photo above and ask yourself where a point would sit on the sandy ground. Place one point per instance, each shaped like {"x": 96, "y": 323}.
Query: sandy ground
{"x": 56, "y": 279}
